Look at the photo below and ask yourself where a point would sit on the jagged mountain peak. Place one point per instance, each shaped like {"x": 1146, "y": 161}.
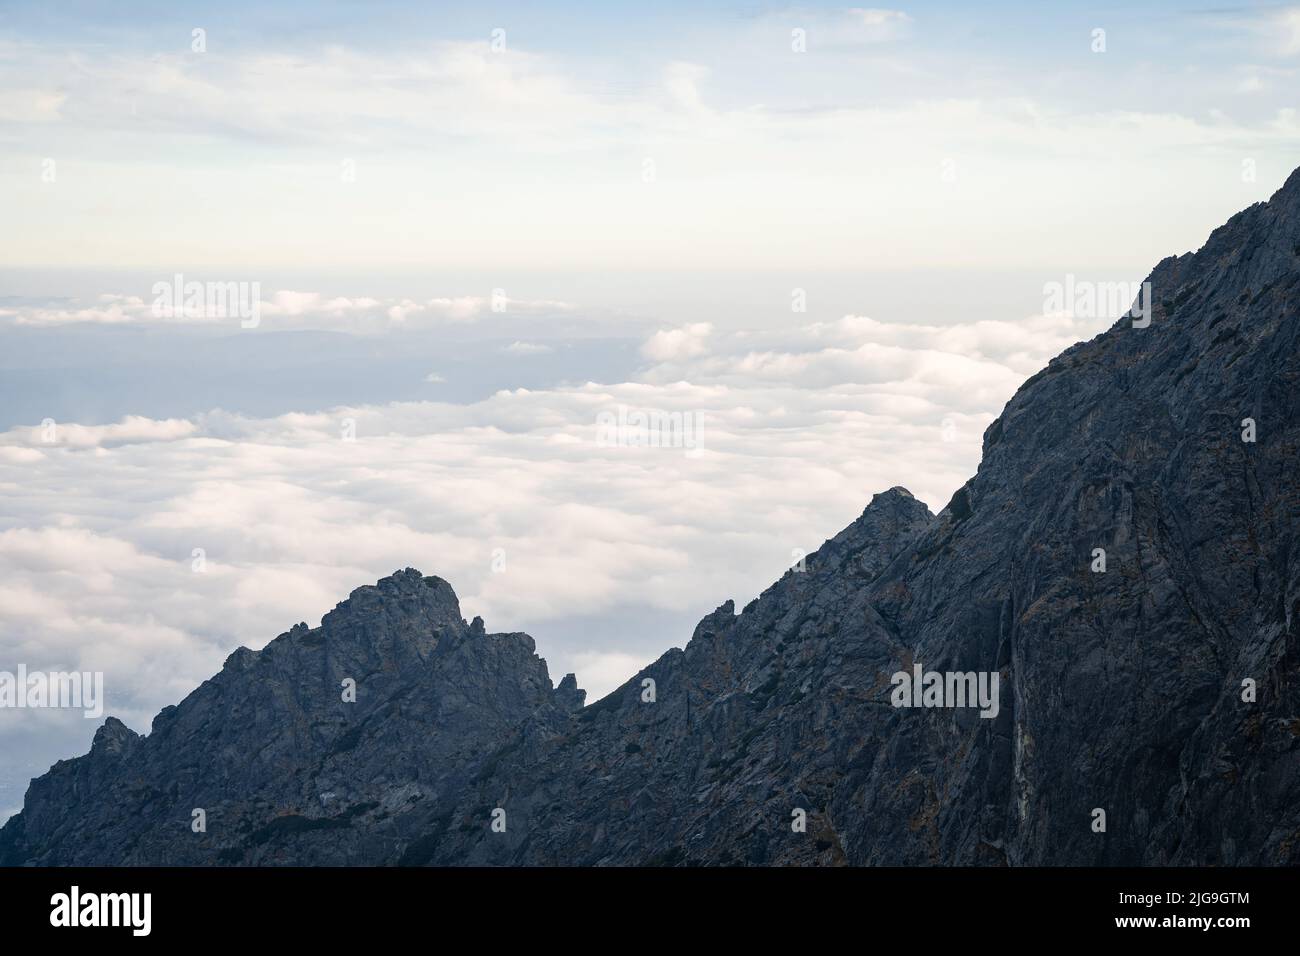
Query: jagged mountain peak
{"x": 389, "y": 705}
{"x": 898, "y": 492}
{"x": 569, "y": 696}
{"x": 405, "y": 591}
{"x": 112, "y": 737}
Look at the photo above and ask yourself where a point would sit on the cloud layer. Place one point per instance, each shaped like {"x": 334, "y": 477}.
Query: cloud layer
{"x": 151, "y": 548}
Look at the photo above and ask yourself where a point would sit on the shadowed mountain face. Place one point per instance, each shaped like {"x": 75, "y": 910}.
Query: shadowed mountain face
{"x": 1163, "y": 690}
{"x": 284, "y": 768}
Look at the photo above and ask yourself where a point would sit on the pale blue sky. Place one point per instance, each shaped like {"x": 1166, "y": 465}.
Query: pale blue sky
{"x": 928, "y": 136}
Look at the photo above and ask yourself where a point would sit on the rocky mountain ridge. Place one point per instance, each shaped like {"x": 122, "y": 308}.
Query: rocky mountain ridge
{"x": 1162, "y": 691}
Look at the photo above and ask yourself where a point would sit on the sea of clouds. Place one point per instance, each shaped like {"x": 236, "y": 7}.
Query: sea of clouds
{"x": 149, "y": 548}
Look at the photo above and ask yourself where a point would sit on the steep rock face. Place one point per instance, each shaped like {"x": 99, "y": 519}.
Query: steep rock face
{"x": 283, "y": 767}
{"x": 1120, "y": 690}
{"x": 753, "y": 719}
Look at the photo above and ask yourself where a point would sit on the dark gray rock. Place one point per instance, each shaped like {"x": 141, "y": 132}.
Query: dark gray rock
{"x": 286, "y": 770}
{"x": 1120, "y": 691}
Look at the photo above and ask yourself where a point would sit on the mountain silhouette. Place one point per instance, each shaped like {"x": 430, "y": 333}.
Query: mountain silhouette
{"x": 1123, "y": 567}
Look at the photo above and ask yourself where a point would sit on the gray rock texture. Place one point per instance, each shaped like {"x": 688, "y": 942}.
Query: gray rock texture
{"x": 286, "y": 770}
{"x": 1121, "y": 690}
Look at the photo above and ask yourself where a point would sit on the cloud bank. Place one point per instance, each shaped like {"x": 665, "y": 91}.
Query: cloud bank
{"x": 151, "y": 548}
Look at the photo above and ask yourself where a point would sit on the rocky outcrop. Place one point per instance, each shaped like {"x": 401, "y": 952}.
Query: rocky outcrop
{"x": 1124, "y": 561}
{"x": 284, "y": 766}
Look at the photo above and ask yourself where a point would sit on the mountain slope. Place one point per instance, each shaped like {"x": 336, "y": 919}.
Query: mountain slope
{"x": 1120, "y": 690}
{"x": 284, "y": 768}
